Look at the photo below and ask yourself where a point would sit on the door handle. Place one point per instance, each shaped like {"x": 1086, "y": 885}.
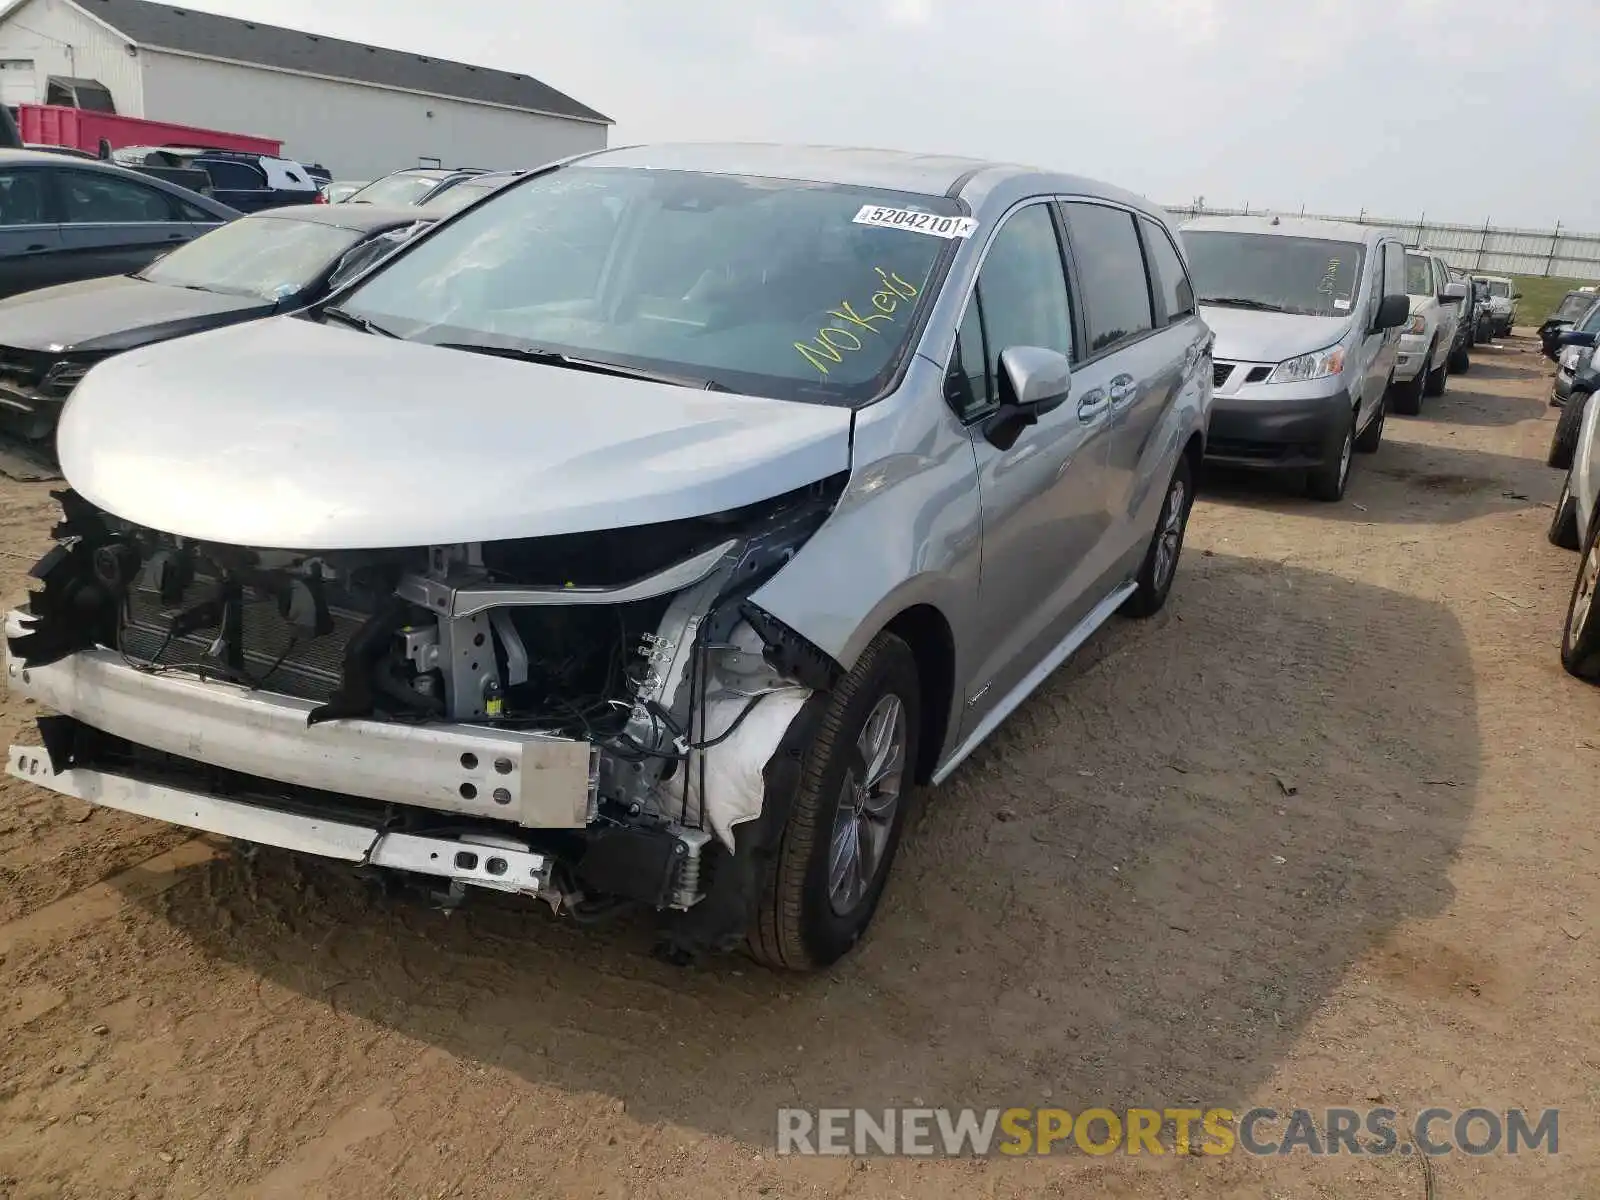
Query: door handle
{"x": 1122, "y": 391}
{"x": 1092, "y": 405}
{"x": 35, "y": 248}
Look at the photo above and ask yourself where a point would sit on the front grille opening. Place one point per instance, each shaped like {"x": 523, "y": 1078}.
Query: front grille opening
{"x": 1220, "y": 373}
{"x": 1258, "y": 375}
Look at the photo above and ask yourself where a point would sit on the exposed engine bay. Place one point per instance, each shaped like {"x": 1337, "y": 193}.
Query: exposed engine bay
{"x": 640, "y": 644}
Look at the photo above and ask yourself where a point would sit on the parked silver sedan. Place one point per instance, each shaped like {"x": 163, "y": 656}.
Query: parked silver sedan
{"x": 643, "y": 535}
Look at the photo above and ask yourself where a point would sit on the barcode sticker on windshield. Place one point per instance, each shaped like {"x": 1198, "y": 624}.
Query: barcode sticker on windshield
{"x": 1341, "y": 304}
{"x": 916, "y": 222}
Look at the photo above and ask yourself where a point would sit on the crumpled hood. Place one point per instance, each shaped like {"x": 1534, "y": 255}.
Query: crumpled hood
{"x": 1268, "y": 337}
{"x": 116, "y": 313}
{"x": 288, "y": 434}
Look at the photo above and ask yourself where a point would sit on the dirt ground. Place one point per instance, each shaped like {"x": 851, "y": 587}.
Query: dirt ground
{"x": 1321, "y": 834}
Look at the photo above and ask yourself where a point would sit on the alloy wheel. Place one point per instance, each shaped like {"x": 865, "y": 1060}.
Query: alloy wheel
{"x": 1583, "y": 599}
{"x": 1171, "y": 533}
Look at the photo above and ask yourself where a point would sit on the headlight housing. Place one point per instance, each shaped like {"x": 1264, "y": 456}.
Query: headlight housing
{"x": 1417, "y": 324}
{"x": 1569, "y": 358}
{"x": 1319, "y": 364}
{"x": 60, "y": 379}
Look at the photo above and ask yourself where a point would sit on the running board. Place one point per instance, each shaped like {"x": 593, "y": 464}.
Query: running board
{"x": 1097, "y": 617}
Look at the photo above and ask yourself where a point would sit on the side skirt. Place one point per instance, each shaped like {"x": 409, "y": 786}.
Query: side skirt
{"x": 1101, "y": 613}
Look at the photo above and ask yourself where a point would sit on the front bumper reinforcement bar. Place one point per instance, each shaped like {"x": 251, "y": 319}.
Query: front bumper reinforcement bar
{"x": 483, "y": 865}
{"x": 533, "y": 779}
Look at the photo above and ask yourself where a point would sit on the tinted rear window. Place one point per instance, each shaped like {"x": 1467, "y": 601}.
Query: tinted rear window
{"x": 1111, "y": 272}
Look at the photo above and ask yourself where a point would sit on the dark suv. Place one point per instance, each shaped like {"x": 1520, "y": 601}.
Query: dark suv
{"x": 1473, "y": 312}
{"x": 240, "y": 179}
{"x": 1567, "y": 314}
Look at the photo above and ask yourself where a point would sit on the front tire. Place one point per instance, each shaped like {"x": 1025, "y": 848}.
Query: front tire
{"x": 1580, "y": 640}
{"x": 1160, "y": 566}
{"x": 1408, "y": 395}
{"x": 1327, "y": 482}
{"x": 1460, "y": 359}
{"x": 1372, "y": 436}
{"x": 1436, "y": 378}
{"x": 1564, "y": 441}
{"x": 856, "y": 783}
{"x": 1564, "y": 522}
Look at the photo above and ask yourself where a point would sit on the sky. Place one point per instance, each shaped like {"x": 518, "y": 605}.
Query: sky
{"x": 1463, "y": 110}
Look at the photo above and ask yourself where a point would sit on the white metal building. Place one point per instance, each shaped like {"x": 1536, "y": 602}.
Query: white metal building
{"x": 362, "y": 111}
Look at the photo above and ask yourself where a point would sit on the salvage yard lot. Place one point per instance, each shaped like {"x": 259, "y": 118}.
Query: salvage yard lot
{"x": 1321, "y": 834}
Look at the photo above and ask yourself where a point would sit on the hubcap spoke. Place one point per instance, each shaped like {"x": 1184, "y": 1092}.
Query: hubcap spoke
{"x": 866, "y": 856}
{"x": 867, "y": 806}
{"x": 844, "y": 863}
{"x": 878, "y": 742}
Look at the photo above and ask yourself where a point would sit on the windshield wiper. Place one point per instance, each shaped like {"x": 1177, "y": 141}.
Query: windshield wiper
{"x": 355, "y": 322}
{"x": 1242, "y": 302}
{"x": 555, "y": 358}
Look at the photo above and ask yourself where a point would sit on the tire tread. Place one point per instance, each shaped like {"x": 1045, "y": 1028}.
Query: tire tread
{"x": 776, "y": 937}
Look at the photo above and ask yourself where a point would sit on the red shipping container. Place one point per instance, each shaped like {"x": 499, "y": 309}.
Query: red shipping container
{"x": 53, "y": 125}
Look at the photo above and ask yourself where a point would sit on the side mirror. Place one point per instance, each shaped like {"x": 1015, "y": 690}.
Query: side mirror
{"x": 1454, "y": 293}
{"x": 1033, "y": 381}
{"x": 1575, "y": 337}
{"x": 1394, "y": 312}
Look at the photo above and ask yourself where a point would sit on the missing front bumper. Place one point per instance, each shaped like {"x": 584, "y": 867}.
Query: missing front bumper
{"x": 534, "y": 780}
{"x": 481, "y": 864}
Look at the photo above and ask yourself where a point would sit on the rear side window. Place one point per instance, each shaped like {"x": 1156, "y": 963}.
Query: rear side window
{"x": 1168, "y": 279}
{"x": 1021, "y": 300}
{"x": 22, "y": 198}
{"x": 234, "y": 176}
{"x": 109, "y": 199}
{"x": 193, "y": 212}
{"x": 1116, "y": 293}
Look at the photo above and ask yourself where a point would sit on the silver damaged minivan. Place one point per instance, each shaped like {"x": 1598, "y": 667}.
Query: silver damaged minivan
{"x": 1307, "y": 316}
{"x": 641, "y": 536}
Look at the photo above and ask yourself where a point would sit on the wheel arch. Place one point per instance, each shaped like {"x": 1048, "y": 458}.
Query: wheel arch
{"x": 1194, "y": 451}
{"x": 928, "y": 633}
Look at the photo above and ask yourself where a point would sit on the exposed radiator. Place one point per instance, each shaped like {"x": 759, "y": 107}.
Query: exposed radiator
{"x": 309, "y": 668}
